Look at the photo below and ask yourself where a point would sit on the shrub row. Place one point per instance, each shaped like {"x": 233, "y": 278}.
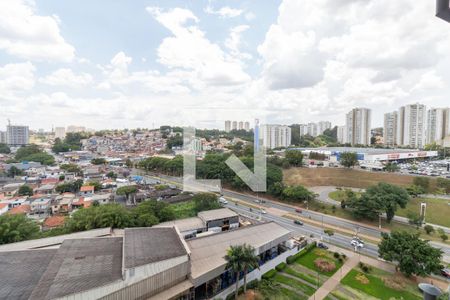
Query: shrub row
{"x": 269, "y": 274}
{"x": 280, "y": 267}
{"x": 291, "y": 259}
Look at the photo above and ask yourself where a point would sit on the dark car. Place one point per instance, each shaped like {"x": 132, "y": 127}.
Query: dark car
{"x": 322, "y": 246}
{"x": 298, "y": 222}
{"x": 298, "y": 210}
{"x": 445, "y": 272}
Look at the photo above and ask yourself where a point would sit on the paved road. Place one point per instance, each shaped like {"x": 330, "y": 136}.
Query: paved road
{"x": 337, "y": 239}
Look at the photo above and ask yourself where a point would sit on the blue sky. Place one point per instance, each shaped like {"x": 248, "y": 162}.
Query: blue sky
{"x": 124, "y": 64}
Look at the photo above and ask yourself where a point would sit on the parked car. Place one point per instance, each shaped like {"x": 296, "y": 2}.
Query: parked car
{"x": 263, "y": 211}
{"x": 298, "y": 210}
{"x": 357, "y": 243}
{"x": 322, "y": 246}
{"x": 298, "y": 222}
{"x": 445, "y": 272}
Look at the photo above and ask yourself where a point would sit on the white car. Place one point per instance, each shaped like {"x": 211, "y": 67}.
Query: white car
{"x": 263, "y": 211}
{"x": 357, "y": 243}
{"x": 223, "y": 200}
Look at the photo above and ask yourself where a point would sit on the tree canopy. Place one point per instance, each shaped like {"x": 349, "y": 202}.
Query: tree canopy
{"x": 34, "y": 153}
{"x": 294, "y": 157}
{"x": 25, "y": 190}
{"x": 377, "y": 199}
{"x": 205, "y": 201}
{"x": 16, "y": 228}
{"x": 297, "y": 193}
{"x": 4, "y": 148}
{"x": 348, "y": 159}
{"x": 413, "y": 255}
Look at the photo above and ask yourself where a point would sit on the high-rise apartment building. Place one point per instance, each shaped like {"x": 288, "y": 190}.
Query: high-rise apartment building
{"x": 275, "y": 136}
{"x": 227, "y": 126}
{"x": 74, "y": 128}
{"x": 411, "y": 125}
{"x": 3, "y": 137}
{"x": 390, "y": 129}
{"x": 246, "y": 126}
{"x": 303, "y": 129}
{"x": 60, "y": 132}
{"x": 241, "y": 125}
{"x": 438, "y": 124}
{"x": 358, "y": 122}
{"x": 312, "y": 129}
{"x": 342, "y": 135}
{"x": 17, "y": 135}
{"x": 234, "y": 125}
{"x": 322, "y": 126}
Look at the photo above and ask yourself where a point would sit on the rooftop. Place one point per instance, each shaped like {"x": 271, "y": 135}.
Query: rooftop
{"x": 17, "y": 282}
{"x": 184, "y": 224}
{"x": 87, "y": 188}
{"x": 147, "y": 245}
{"x": 216, "y": 214}
{"x": 79, "y": 265}
{"x": 208, "y": 253}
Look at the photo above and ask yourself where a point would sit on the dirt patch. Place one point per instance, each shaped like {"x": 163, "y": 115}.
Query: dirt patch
{"x": 395, "y": 282}
{"x": 362, "y": 278}
{"x": 324, "y": 265}
{"x": 344, "y": 177}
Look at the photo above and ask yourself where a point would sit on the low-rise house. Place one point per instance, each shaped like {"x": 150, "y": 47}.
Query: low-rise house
{"x": 53, "y": 222}
{"x": 63, "y": 203}
{"x": 18, "y": 201}
{"x": 11, "y": 189}
{"x": 46, "y": 189}
{"x": 3, "y": 208}
{"x": 40, "y": 205}
{"x": 81, "y": 203}
{"x": 50, "y": 180}
{"x": 21, "y": 209}
{"x": 100, "y": 198}
{"x": 87, "y": 190}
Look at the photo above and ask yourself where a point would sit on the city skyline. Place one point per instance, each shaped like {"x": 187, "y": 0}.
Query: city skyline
{"x": 72, "y": 68}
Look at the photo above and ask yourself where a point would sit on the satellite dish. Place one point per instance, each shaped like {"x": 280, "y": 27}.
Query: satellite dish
{"x": 443, "y": 9}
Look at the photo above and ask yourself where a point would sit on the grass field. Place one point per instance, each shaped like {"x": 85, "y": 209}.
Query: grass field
{"x": 344, "y": 177}
{"x": 184, "y": 209}
{"x": 308, "y": 259}
{"x": 381, "y": 285}
{"x": 438, "y": 210}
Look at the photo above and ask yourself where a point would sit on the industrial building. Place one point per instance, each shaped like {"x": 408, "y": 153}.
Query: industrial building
{"x": 138, "y": 263}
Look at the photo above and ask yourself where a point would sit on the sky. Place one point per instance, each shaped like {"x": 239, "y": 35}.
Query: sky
{"x": 128, "y": 64}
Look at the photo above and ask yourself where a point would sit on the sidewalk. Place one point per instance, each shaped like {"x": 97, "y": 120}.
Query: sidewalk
{"x": 334, "y": 280}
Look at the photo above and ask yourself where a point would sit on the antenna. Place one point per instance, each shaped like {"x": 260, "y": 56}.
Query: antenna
{"x": 9, "y": 122}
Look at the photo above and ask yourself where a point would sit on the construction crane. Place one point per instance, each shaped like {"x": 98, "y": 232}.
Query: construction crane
{"x": 443, "y": 10}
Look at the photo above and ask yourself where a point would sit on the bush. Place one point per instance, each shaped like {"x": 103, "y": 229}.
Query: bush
{"x": 269, "y": 274}
{"x": 343, "y": 256}
{"x": 280, "y": 267}
{"x": 253, "y": 284}
{"x": 336, "y": 255}
{"x": 444, "y": 237}
{"x": 290, "y": 259}
{"x": 428, "y": 229}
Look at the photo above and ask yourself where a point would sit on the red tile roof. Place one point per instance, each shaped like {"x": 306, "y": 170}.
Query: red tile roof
{"x": 21, "y": 209}
{"x": 49, "y": 180}
{"x": 87, "y": 188}
{"x": 2, "y": 205}
{"x": 54, "y": 221}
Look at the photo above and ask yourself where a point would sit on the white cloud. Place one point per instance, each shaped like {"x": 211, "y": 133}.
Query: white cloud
{"x": 66, "y": 77}
{"x": 188, "y": 49}
{"x": 27, "y": 35}
{"x": 224, "y": 12}
{"x": 15, "y": 79}
{"x": 234, "y": 42}
{"x": 429, "y": 81}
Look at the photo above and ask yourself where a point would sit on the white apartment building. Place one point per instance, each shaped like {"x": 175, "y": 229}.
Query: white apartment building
{"x": 275, "y": 136}
{"x": 3, "y": 137}
{"x": 390, "y": 128}
{"x": 342, "y": 135}
{"x": 60, "y": 132}
{"x": 227, "y": 126}
{"x": 358, "y": 122}
{"x": 247, "y": 126}
{"x": 303, "y": 129}
{"x": 322, "y": 126}
{"x": 241, "y": 125}
{"x": 438, "y": 124}
{"x": 17, "y": 135}
{"x": 74, "y": 128}
{"x": 234, "y": 125}
{"x": 411, "y": 125}
{"x": 312, "y": 129}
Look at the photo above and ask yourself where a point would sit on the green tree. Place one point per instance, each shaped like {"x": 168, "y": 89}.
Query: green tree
{"x": 415, "y": 219}
{"x": 129, "y": 163}
{"x": 34, "y": 153}
{"x": 379, "y": 198}
{"x": 111, "y": 174}
{"x": 294, "y": 157}
{"x": 423, "y": 182}
{"x": 241, "y": 258}
{"x": 348, "y": 159}
{"x": 297, "y": 193}
{"x": 72, "y": 187}
{"x": 97, "y": 185}
{"x": 415, "y": 190}
{"x": 391, "y": 167}
{"x": 205, "y": 201}
{"x": 443, "y": 184}
{"x": 4, "y": 148}
{"x": 413, "y": 255}
{"x": 14, "y": 171}
{"x": 25, "y": 190}
{"x": 428, "y": 229}
{"x": 127, "y": 191}
{"x": 71, "y": 168}
{"x": 98, "y": 161}
{"x": 16, "y": 228}
{"x": 109, "y": 215}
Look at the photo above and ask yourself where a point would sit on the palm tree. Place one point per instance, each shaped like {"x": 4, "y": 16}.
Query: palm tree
{"x": 241, "y": 258}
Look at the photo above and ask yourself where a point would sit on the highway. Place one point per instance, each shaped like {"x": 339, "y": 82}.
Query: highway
{"x": 337, "y": 239}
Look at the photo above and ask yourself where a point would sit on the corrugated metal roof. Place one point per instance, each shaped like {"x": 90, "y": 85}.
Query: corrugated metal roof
{"x": 147, "y": 245}
{"x": 208, "y": 253}
{"x": 216, "y": 214}
{"x": 79, "y": 265}
{"x": 20, "y": 271}
{"x": 184, "y": 224}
